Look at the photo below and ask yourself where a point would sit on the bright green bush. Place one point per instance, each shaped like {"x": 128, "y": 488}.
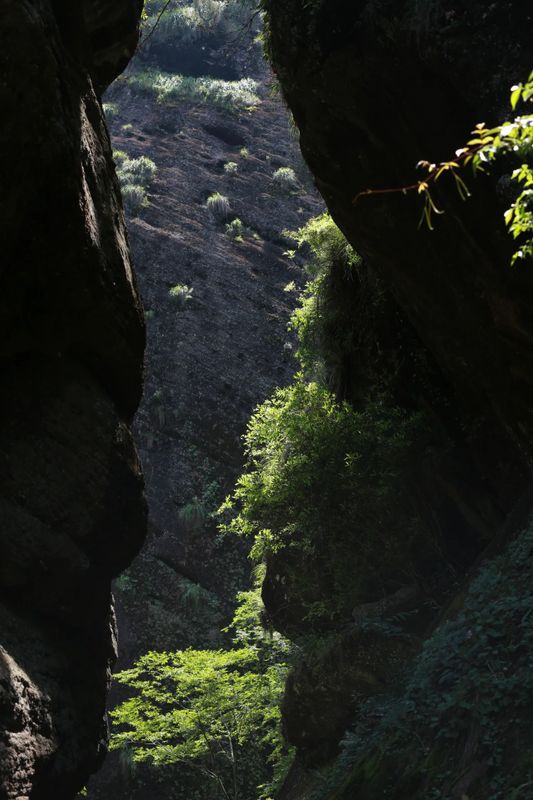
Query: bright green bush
{"x": 331, "y": 482}
{"x": 236, "y": 230}
{"x": 325, "y": 318}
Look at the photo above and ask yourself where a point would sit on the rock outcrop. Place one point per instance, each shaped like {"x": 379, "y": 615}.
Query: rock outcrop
{"x": 375, "y": 87}
{"x": 72, "y": 339}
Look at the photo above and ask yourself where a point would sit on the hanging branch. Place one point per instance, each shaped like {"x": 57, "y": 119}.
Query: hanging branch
{"x": 463, "y": 156}
{"x": 154, "y": 26}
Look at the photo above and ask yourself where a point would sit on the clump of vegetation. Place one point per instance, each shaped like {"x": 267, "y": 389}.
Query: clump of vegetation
{"x": 231, "y": 167}
{"x": 236, "y": 230}
{"x": 194, "y": 595}
{"x": 285, "y": 179}
{"x": 331, "y": 482}
{"x": 134, "y": 198}
{"x": 244, "y": 152}
{"x": 326, "y": 317}
{"x": 218, "y": 206}
{"x": 181, "y": 294}
{"x": 233, "y": 96}
{"x": 135, "y": 176}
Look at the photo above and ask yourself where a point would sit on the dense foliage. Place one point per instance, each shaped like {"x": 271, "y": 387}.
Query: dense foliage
{"x": 330, "y": 482}
{"x": 468, "y": 696}
{"x": 214, "y": 710}
{"x": 183, "y": 21}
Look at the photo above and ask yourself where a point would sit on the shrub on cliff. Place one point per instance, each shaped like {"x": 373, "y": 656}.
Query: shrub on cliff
{"x": 331, "y": 483}
{"x": 181, "y": 294}
{"x": 325, "y": 317}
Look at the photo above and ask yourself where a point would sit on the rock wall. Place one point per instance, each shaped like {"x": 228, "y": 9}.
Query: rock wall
{"x": 72, "y": 341}
{"x": 374, "y": 88}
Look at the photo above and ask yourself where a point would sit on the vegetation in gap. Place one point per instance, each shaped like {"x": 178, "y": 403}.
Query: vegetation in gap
{"x": 329, "y": 481}
{"x": 183, "y": 22}
{"x": 316, "y": 322}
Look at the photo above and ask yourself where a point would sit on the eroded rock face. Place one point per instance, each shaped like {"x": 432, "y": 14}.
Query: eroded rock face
{"x": 374, "y": 87}
{"x": 72, "y": 340}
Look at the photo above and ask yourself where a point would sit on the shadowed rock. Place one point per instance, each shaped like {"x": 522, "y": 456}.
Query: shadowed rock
{"x": 72, "y": 339}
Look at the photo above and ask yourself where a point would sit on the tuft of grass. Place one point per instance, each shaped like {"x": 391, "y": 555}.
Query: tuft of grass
{"x": 134, "y": 198}
{"x": 219, "y": 207}
{"x": 231, "y": 168}
{"x": 135, "y": 176}
{"x": 285, "y": 179}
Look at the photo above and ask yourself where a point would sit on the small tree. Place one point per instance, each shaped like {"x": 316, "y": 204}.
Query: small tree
{"x": 208, "y": 709}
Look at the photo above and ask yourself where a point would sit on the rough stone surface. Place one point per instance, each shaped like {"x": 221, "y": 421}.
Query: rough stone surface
{"x": 374, "y": 88}
{"x": 72, "y": 340}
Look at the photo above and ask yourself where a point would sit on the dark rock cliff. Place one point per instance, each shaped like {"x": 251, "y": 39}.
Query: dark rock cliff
{"x": 374, "y": 88}
{"x": 72, "y": 340}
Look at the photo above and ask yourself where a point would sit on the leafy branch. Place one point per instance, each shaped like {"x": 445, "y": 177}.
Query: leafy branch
{"x": 485, "y": 146}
